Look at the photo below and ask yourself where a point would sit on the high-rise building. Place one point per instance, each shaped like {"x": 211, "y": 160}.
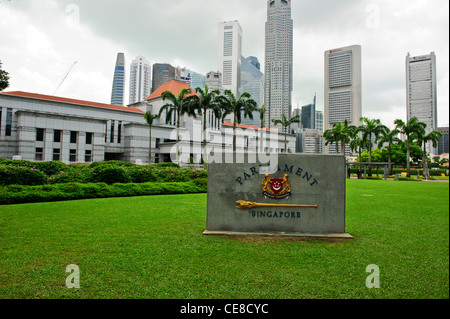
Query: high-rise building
{"x": 214, "y": 81}
{"x": 118, "y": 87}
{"x": 140, "y": 79}
{"x": 254, "y": 60}
{"x": 198, "y": 80}
{"x": 319, "y": 121}
{"x": 343, "y": 95}
{"x": 309, "y": 115}
{"x": 278, "y": 61}
{"x": 443, "y": 141}
{"x": 252, "y": 80}
{"x": 421, "y": 97}
{"x": 229, "y": 55}
{"x": 183, "y": 75}
{"x": 162, "y": 73}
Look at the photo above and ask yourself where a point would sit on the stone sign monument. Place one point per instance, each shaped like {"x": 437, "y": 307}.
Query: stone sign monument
{"x": 299, "y": 195}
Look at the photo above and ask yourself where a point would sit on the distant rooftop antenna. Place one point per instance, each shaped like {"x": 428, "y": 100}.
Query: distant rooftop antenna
{"x": 65, "y": 76}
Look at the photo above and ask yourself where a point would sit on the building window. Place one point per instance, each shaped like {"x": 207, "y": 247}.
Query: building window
{"x": 119, "y": 132}
{"x": 0, "y": 121}
{"x": 56, "y": 154}
{"x": 89, "y": 138}
{"x": 57, "y": 136}
{"x": 73, "y": 156}
{"x": 73, "y": 137}
{"x": 88, "y": 156}
{"x": 8, "y": 127}
{"x": 111, "y": 137}
{"x": 39, "y": 154}
{"x": 40, "y": 134}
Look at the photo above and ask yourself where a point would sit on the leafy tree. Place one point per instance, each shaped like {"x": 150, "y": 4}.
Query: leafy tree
{"x": 230, "y": 105}
{"x": 178, "y": 105}
{"x": 4, "y": 78}
{"x": 370, "y": 128}
{"x": 150, "y": 118}
{"x": 390, "y": 137}
{"x": 412, "y": 129}
{"x": 285, "y": 123}
{"x": 205, "y": 101}
{"x": 377, "y": 156}
{"x": 341, "y": 132}
{"x": 432, "y": 137}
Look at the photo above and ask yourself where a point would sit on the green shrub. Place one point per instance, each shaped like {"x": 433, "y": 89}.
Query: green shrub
{"x": 110, "y": 175}
{"x": 16, "y": 194}
{"x": 11, "y": 174}
{"x": 51, "y": 168}
{"x": 169, "y": 164}
{"x": 71, "y": 175}
{"x": 112, "y": 163}
{"x": 141, "y": 174}
{"x": 201, "y": 182}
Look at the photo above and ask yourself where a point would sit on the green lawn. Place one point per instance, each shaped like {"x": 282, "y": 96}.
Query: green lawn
{"x": 152, "y": 247}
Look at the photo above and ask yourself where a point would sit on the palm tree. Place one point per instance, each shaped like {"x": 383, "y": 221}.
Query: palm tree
{"x": 370, "y": 128}
{"x": 341, "y": 132}
{"x": 150, "y": 118}
{"x": 390, "y": 137}
{"x": 206, "y": 100}
{"x": 357, "y": 144}
{"x": 230, "y": 105}
{"x": 432, "y": 137}
{"x": 411, "y": 129}
{"x": 262, "y": 112}
{"x": 285, "y": 122}
{"x": 179, "y": 105}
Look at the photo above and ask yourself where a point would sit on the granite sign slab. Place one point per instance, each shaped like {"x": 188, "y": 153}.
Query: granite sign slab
{"x": 297, "y": 194}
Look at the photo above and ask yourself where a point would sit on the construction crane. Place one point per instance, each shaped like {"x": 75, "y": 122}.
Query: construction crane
{"x": 65, "y": 76}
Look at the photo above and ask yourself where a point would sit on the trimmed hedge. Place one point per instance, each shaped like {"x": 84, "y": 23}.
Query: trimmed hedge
{"x": 22, "y": 175}
{"x": 40, "y": 173}
{"x": 17, "y": 194}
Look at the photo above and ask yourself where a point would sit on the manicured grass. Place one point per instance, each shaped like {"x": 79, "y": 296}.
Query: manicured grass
{"x": 152, "y": 247}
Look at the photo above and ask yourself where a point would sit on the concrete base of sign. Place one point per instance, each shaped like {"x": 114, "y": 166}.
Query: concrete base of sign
{"x": 277, "y": 234}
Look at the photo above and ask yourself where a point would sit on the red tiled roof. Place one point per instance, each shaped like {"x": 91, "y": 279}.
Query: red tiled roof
{"x": 249, "y": 126}
{"x": 173, "y": 86}
{"x": 71, "y": 101}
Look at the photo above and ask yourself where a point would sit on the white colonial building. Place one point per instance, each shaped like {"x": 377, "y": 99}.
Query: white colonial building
{"x": 40, "y": 127}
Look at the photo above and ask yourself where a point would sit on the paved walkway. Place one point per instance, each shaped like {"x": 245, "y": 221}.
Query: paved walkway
{"x": 435, "y": 181}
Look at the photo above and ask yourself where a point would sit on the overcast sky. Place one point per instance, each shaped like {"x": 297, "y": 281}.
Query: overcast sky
{"x": 41, "y": 39}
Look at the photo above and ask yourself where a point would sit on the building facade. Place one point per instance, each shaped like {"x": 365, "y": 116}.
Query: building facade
{"x": 118, "y": 87}
{"x": 162, "y": 73}
{"x": 140, "y": 79}
{"x": 421, "y": 91}
{"x": 229, "y": 55}
{"x": 443, "y": 143}
{"x": 252, "y": 80}
{"x": 278, "y": 61}
{"x": 214, "y": 81}
{"x": 343, "y": 94}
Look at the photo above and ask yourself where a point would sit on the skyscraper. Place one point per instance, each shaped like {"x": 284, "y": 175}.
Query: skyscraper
{"x": 229, "y": 55}
{"x": 118, "y": 87}
{"x": 140, "y": 79}
{"x": 421, "y": 97}
{"x": 278, "y": 61}
{"x": 253, "y": 83}
{"x": 343, "y": 95}
{"x": 308, "y": 115}
{"x": 162, "y": 73}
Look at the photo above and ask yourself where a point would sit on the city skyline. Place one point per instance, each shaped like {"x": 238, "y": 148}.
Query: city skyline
{"x": 37, "y": 54}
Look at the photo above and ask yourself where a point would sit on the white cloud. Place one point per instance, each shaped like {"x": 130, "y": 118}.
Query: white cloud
{"x": 41, "y": 39}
